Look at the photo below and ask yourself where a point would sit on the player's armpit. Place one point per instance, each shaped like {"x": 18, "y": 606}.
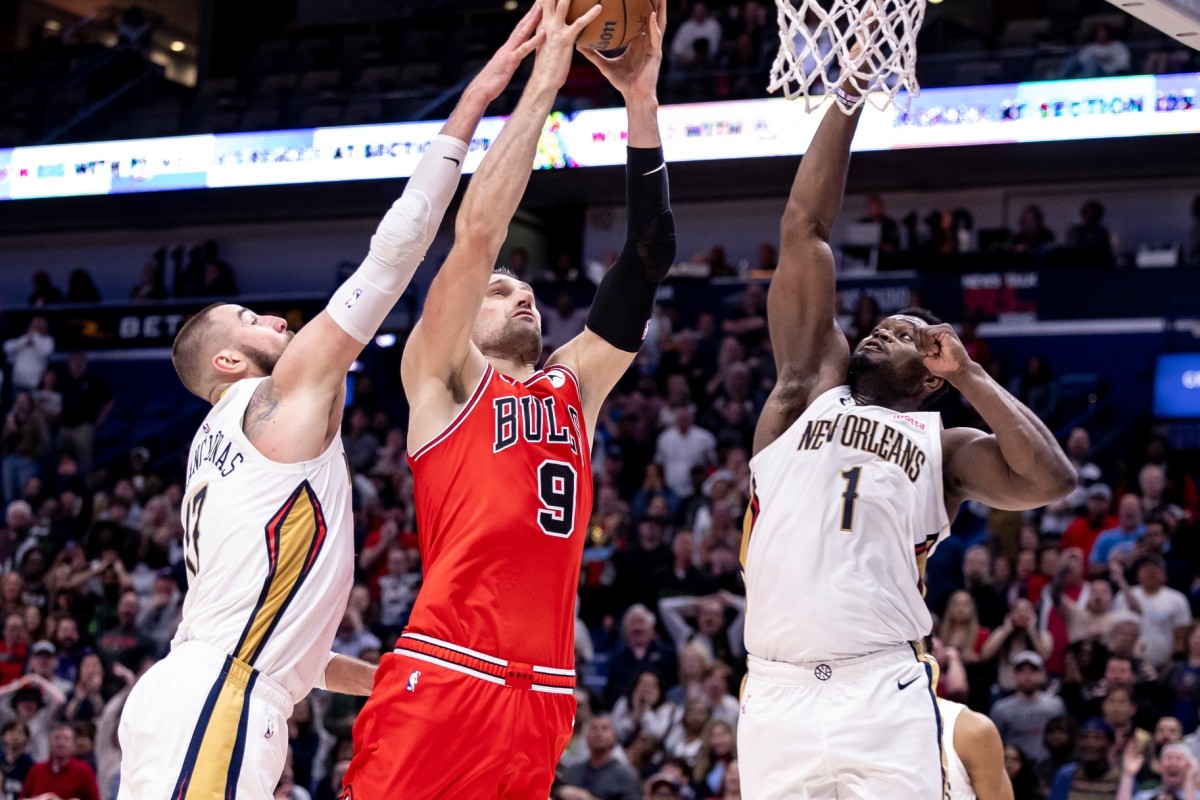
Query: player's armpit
{"x": 599, "y": 366}
{"x": 978, "y": 744}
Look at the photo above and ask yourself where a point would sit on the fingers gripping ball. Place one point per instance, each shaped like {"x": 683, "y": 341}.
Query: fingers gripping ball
{"x": 619, "y": 23}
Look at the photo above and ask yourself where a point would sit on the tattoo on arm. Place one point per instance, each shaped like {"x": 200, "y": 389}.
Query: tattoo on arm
{"x": 261, "y": 409}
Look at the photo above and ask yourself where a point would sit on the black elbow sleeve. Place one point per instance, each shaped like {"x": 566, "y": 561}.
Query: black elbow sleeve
{"x": 621, "y": 311}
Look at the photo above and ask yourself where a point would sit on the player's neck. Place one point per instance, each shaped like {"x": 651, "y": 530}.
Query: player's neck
{"x": 509, "y": 368}
{"x": 899, "y": 405}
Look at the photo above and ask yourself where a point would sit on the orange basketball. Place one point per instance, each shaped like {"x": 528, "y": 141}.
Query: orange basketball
{"x": 619, "y": 23}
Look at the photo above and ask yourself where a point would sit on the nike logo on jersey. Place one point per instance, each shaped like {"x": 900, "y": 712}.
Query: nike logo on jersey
{"x": 903, "y": 686}
{"x": 455, "y": 160}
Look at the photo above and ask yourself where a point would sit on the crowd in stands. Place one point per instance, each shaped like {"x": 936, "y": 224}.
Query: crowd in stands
{"x": 1071, "y": 626}
{"x": 325, "y": 74}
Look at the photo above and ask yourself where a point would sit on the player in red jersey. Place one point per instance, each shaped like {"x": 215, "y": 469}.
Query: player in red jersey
{"x": 476, "y": 701}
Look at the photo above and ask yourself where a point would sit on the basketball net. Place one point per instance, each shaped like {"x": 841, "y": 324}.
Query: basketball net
{"x": 816, "y": 40}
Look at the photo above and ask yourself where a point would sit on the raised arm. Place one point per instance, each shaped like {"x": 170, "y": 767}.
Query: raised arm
{"x": 811, "y": 354}
{"x": 317, "y": 360}
{"x": 439, "y": 356}
{"x": 624, "y": 302}
{"x": 1020, "y": 466}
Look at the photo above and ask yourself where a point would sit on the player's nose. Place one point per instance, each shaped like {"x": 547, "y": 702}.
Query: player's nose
{"x": 279, "y": 324}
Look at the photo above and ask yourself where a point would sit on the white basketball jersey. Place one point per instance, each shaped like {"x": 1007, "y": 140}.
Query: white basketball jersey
{"x": 846, "y": 506}
{"x": 269, "y": 549}
{"x": 960, "y": 782}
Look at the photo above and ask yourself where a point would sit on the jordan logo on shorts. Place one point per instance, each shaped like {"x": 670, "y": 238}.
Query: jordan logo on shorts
{"x": 412, "y": 680}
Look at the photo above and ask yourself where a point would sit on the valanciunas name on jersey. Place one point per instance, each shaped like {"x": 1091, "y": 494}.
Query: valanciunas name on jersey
{"x": 215, "y": 450}
{"x": 869, "y": 435}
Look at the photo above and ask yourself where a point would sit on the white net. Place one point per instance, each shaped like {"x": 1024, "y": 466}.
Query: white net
{"x": 873, "y": 43}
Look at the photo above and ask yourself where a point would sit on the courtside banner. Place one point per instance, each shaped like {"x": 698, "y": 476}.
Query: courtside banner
{"x": 1046, "y": 111}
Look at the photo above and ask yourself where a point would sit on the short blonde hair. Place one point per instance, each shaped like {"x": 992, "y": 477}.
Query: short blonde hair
{"x": 193, "y": 348}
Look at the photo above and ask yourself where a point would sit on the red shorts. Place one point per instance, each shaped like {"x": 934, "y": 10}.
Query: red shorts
{"x": 430, "y": 731}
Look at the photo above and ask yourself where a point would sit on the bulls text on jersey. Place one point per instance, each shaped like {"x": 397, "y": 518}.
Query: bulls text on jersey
{"x": 868, "y": 435}
{"x": 533, "y": 419}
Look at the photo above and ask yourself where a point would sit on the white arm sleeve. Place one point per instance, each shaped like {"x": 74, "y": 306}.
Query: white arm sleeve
{"x": 399, "y": 245}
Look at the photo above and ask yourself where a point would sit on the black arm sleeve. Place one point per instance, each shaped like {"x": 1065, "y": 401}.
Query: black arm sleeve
{"x": 625, "y": 299}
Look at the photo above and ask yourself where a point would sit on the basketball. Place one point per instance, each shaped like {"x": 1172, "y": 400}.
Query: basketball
{"x": 619, "y": 23}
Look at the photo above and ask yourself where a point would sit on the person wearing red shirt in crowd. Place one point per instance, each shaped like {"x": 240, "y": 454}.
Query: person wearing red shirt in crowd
{"x": 1069, "y": 584}
{"x": 63, "y": 775}
{"x": 1084, "y": 529}
{"x": 14, "y": 649}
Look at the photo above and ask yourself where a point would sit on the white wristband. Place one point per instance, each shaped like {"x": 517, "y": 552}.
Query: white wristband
{"x": 399, "y": 245}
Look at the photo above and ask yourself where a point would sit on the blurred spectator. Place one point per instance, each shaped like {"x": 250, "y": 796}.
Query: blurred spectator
{"x": 1119, "y": 712}
{"x": 353, "y": 637}
{"x": 662, "y": 786}
{"x": 960, "y": 627}
{"x": 1021, "y": 774}
{"x": 29, "y": 354}
{"x": 717, "y": 680}
{"x": 134, "y": 27}
{"x": 87, "y": 402}
{"x": 1085, "y": 529}
{"x": 682, "y": 576}
{"x": 1032, "y": 234}
{"x": 767, "y": 257}
{"x": 889, "y": 231}
{"x": 977, "y": 581}
{"x": 34, "y": 702}
{"x": 63, "y": 775}
{"x": 720, "y": 638}
{"x": 602, "y": 776}
{"x": 686, "y": 735}
{"x": 716, "y": 754}
{"x": 1021, "y": 717}
{"x": 562, "y": 323}
{"x": 1091, "y": 775}
{"x": 644, "y": 709}
{"x": 1016, "y": 637}
{"x": 1118, "y": 540}
{"x": 1037, "y": 388}
{"x": 1089, "y": 239}
{"x": 48, "y": 399}
{"x": 45, "y": 293}
{"x": 1163, "y": 610}
{"x": 699, "y": 25}
{"x": 1152, "y": 483}
{"x": 26, "y": 439}
{"x": 124, "y": 643}
{"x": 1057, "y": 516}
{"x": 748, "y": 319}
{"x": 681, "y": 447}
{"x": 14, "y": 760}
{"x": 151, "y": 287}
{"x": 81, "y": 288}
{"x": 1182, "y": 682}
{"x": 640, "y": 650}
{"x": 362, "y": 448}
{"x": 1103, "y": 56}
{"x": 1177, "y": 768}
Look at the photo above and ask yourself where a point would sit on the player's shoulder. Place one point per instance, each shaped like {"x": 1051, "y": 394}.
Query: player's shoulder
{"x": 975, "y": 733}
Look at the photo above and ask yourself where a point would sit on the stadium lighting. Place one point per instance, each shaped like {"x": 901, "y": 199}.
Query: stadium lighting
{"x": 178, "y": 46}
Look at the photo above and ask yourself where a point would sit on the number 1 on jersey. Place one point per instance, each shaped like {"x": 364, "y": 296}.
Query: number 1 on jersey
{"x": 850, "y": 496}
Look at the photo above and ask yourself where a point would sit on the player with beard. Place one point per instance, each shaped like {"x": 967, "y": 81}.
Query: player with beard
{"x": 853, "y": 484}
{"x": 476, "y": 701}
{"x": 268, "y": 533}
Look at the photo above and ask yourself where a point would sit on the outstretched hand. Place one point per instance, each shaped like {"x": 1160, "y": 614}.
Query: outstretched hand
{"x": 634, "y": 73}
{"x": 943, "y": 351}
{"x": 555, "y": 52}
{"x": 524, "y": 39}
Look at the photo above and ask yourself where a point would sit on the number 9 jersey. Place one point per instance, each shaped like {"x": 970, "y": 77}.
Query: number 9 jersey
{"x": 847, "y": 505}
{"x": 503, "y": 498}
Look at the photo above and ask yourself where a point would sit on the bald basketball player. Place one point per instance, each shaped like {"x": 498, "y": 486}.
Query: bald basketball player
{"x": 854, "y": 481}
{"x": 975, "y": 754}
{"x": 268, "y": 529}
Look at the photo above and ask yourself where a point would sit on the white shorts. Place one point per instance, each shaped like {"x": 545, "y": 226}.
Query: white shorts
{"x": 201, "y": 724}
{"x": 865, "y": 728}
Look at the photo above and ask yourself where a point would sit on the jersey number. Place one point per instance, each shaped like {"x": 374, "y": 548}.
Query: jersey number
{"x": 191, "y": 531}
{"x": 556, "y": 488}
{"x": 850, "y": 496}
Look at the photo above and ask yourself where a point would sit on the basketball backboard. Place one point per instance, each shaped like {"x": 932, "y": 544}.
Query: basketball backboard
{"x": 1179, "y": 19}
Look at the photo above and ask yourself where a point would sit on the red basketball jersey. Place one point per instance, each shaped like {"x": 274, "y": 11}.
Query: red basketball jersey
{"x": 503, "y": 498}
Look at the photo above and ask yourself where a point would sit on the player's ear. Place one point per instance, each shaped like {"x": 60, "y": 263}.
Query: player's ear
{"x": 932, "y": 383}
{"x": 229, "y": 364}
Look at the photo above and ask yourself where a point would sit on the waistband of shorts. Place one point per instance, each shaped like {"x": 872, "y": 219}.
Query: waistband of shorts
{"x": 237, "y": 672}
{"x": 514, "y": 674}
{"x": 831, "y": 670}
